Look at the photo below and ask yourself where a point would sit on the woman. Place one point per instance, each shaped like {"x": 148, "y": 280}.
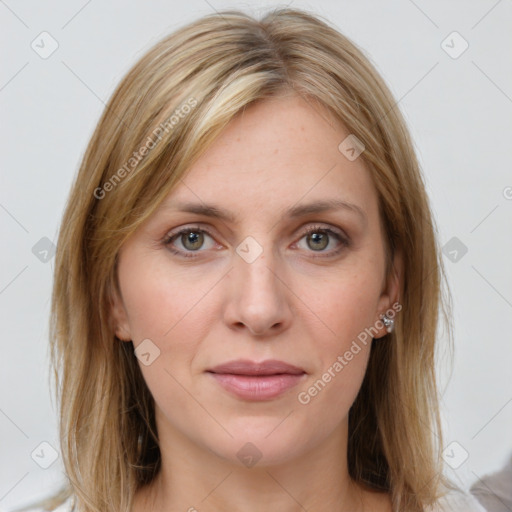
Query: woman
{"x": 247, "y": 285}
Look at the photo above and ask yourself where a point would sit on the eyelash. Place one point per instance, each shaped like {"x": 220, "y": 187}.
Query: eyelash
{"x": 343, "y": 241}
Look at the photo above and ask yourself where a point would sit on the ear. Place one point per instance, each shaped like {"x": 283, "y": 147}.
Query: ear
{"x": 118, "y": 316}
{"x": 390, "y": 296}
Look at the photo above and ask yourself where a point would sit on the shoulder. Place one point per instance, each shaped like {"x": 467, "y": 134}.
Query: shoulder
{"x": 66, "y": 506}
{"x": 456, "y": 501}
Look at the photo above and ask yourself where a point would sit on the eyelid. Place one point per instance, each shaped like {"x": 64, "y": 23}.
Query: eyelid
{"x": 313, "y": 227}
{"x": 187, "y": 228}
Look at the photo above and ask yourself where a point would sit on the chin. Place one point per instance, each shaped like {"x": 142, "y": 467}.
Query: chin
{"x": 260, "y": 442}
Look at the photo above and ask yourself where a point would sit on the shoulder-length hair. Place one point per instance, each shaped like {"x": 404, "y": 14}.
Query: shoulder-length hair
{"x": 164, "y": 114}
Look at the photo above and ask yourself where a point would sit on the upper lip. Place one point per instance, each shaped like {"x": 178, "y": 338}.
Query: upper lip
{"x": 247, "y": 367}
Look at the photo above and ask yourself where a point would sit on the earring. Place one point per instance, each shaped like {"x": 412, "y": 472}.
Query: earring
{"x": 389, "y": 323}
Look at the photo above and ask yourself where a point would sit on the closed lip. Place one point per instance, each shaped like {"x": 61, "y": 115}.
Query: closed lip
{"x": 253, "y": 368}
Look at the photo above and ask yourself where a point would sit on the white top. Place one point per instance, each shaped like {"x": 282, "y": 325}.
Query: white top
{"x": 67, "y": 506}
{"x": 453, "y": 502}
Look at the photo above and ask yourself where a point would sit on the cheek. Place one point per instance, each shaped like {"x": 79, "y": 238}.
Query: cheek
{"x": 345, "y": 303}
{"x": 341, "y": 352}
{"x": 327, "y": 400}
{"x": 173, "y": 309}
{"x": 160, "y": 303}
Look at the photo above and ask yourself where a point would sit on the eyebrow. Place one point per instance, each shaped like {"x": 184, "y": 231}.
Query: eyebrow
{"x": 322, "y": 206}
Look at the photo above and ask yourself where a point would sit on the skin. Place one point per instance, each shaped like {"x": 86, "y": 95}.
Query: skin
{"x": 298, "y": 302}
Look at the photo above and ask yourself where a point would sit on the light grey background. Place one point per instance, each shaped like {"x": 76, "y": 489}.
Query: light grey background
{"x": 459, "y": 111}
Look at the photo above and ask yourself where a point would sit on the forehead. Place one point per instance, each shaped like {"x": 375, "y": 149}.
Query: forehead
{"x": 276, "y": 153}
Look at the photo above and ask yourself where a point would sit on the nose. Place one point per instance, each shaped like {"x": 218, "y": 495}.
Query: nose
{"x": 258, "y": 299}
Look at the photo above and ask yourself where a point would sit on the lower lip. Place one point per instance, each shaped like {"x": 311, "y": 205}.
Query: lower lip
{"x": 251, "y": 387}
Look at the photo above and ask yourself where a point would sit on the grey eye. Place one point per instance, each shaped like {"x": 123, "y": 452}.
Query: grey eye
{"x": 317, "y": 241}
{"x": 192, "y": 240}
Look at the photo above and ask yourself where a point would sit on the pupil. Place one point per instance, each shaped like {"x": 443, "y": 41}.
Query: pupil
{"x": 319, "y": 241}
{"x": 192, "y": 240}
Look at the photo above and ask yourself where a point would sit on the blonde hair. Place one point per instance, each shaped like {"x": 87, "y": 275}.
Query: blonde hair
{"x": 218, "y": 65}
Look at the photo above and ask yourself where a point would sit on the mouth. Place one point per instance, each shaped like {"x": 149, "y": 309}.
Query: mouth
{"x": 255, "y": 381}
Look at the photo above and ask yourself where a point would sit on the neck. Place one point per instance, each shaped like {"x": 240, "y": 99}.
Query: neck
{"x": 192, "y": 478}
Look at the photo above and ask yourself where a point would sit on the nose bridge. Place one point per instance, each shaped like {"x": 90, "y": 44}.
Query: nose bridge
{"x": 259, "y": 299}
{"x": 257, "y": 275}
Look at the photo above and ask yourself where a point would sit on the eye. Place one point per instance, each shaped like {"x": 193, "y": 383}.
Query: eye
{"x": 323, "y": 240}
{"x": 189, "y": 240}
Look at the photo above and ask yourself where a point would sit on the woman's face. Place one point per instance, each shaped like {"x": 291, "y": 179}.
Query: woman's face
{"x": 270, "y": 249}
